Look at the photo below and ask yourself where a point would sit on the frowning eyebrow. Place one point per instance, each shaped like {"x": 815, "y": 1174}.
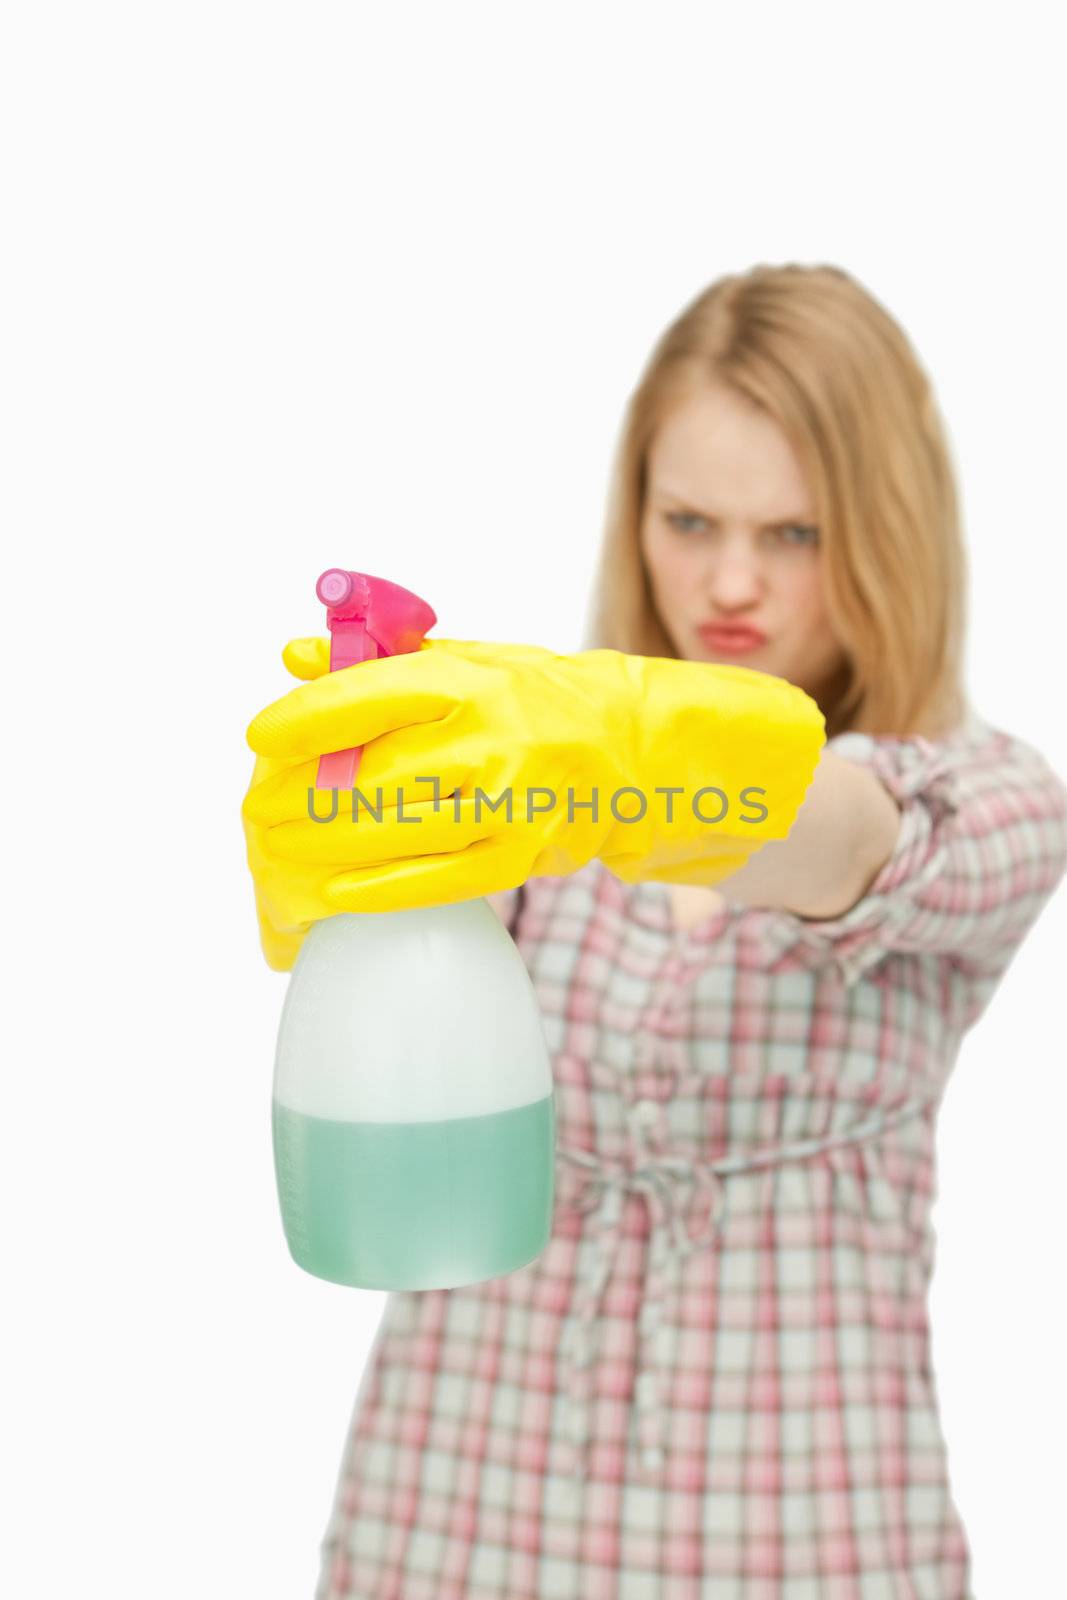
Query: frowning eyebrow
{"x": 663, "y": 493}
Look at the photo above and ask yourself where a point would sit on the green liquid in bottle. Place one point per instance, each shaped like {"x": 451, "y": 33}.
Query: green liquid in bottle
{"x": 416, "y": 1205}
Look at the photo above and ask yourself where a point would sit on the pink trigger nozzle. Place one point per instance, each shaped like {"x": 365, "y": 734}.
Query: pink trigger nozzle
{"x": 367, "y": 618}
{"x": 334, "y": 587}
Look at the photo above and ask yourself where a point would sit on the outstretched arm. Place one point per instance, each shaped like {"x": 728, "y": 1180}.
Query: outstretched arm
{"x": 843, "y": 835}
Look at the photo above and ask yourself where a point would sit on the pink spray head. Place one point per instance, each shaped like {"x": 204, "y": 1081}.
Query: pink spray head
{"x": 367, "y": 618}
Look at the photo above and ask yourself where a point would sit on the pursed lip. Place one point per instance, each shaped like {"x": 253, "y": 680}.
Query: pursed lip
{"x": 724, "y": 630}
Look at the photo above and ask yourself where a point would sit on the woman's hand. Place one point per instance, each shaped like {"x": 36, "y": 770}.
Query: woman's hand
{"x": 501, "y": 762}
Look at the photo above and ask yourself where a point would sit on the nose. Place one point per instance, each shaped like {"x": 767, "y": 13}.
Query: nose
{"x": 735, "y": 576}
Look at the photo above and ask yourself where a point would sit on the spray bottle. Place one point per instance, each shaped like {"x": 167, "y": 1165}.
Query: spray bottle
{"x": 412, "y": 1119}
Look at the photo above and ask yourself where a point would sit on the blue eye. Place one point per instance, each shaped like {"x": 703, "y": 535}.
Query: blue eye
{"x": 692, "y": 521}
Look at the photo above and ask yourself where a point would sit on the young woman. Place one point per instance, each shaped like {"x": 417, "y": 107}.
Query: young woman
{"x": 715, "y": 1381}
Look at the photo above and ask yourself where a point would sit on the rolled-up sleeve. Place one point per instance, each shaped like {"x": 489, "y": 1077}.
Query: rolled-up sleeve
{"x": 982, "y": 846}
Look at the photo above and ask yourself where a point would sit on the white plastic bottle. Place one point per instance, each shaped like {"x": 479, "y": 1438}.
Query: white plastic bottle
{"x": 413, "y": 1120}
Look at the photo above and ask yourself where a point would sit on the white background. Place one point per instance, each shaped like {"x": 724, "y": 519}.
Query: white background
{"x": 290, "y": 286}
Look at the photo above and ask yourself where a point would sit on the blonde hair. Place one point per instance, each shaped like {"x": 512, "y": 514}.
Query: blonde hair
{"x": 822, "y": 357}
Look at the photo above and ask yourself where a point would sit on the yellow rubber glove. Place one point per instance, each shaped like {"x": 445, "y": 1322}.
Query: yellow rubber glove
{"x": 500, "y": 718}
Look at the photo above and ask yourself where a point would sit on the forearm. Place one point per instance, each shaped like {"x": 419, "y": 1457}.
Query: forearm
{"x": 844, "y": 833}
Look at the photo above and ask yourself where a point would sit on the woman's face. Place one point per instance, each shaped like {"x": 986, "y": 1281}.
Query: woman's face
{"x": 728, "y": 536}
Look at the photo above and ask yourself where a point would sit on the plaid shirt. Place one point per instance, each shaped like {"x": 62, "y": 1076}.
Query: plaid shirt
{"x": 715, "y": 1382}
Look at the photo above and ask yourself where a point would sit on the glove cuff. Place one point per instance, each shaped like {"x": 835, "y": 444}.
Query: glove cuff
{"x": 722, "y": 758}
